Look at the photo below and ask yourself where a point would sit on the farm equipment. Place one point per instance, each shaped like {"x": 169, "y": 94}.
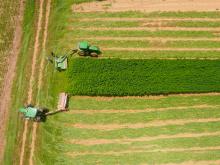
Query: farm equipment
{"x": 40, "y": 114}
{"x": 85, "y": 49}
{"x": 60, "y": 61}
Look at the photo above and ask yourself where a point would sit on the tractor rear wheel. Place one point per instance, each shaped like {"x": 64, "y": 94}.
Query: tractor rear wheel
{"x": 37, "y": 118}
{"x": 81, "y": 53}
{"x": 93, "y": 54}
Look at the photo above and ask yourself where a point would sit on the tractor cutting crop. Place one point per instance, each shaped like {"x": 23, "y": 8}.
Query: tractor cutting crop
{"x": 83, "y": 49}
{"x": 40, "y": 114}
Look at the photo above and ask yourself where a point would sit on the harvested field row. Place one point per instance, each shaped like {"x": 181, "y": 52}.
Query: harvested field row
{"x": 146, "y": 19}
{"x": 110, "y": 127}
{"x": 116, "y": 153}
{"x": 154, "y": 15}
{"x": 145, "y": 6}
{"x": 162, "y": 39}
{"x": 143, "y": 110}
{"x": 140, "y": 33}
{"x": 205, "y": 29}
{"x": 91, "y": 142}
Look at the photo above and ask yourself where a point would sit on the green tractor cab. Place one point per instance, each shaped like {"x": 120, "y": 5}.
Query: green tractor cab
{"x": 85, "y": 49}
{"x": 33, "y": 113}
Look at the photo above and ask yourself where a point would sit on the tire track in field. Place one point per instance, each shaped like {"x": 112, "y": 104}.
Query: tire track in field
{"x": 39, "y": 85}
{"x": 146, "y": 19}
{"x": 5, "y": 97}
{"x": 161, "y": 49}
{"x": 162, "y": 39}
{"x": 118, "y": 153}
{"x": 152, "y": 29}
{"x": 33, "y": 68}
{"x": 157, "y": 123}
{"x": 91, "y": 142}
{"x": 203, "y": 106}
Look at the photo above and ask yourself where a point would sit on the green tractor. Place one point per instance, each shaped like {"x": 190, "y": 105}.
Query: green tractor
{"x": 40, "y": 114}
{"x": 33, "y": 113}
{"x": 85, "y": 49}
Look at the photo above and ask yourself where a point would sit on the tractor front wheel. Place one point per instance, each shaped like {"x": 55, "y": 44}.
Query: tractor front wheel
{"x": 81, "y": 53}
{"x": 94, "y": 54}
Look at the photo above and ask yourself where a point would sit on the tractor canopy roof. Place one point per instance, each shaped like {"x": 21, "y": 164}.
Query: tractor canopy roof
{"x": 94, "y": 49}
{"x": 83, "y": 45}
{"x": 29, "y": 112}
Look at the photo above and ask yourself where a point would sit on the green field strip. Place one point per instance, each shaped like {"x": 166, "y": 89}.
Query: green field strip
{"x": 140, "y": 111}
{"x": 143, "y": 150}
{"x": 157, "y": 123}
{"x": 133, "y": 14}
{"x": 139, "y": 117}
{"x": 136, "y": 23}
{"x": 113, "y": 33}
{"x": 93, "y": 145}
{"x": 119, "y": 103}
{"x": 80, "y": 24}
{"x": 181, "y": 140}
{"x": 70, "y": 132}
{"x": 142, "y": 157}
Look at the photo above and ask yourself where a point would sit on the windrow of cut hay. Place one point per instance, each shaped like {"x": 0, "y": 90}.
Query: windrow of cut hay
{"x": 133, "y": 77}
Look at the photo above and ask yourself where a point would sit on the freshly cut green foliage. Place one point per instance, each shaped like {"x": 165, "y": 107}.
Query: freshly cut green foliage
{"x": 116, "y": 77}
